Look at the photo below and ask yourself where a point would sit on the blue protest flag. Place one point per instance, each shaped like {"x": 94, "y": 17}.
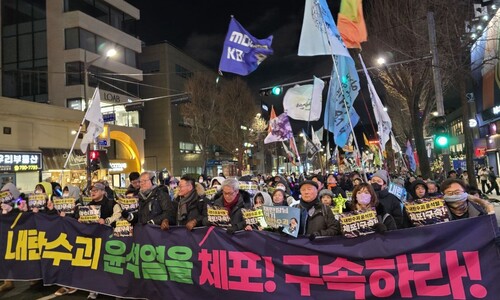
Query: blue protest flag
{"x": 242, "y": 52}
{"x": 336, "y": 109}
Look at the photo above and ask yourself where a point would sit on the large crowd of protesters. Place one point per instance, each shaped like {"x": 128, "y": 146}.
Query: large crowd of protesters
{"x": 183, "y": 201}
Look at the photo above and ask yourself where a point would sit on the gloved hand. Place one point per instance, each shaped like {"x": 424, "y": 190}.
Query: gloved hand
{"x": 380, "y": 228}
{"x": 191, "y": 224}
{"x": 125, "y": 214}
{"x": 164, "y": 225}
{"x": 231, "y": 230}
{"x": 313, "y": 236}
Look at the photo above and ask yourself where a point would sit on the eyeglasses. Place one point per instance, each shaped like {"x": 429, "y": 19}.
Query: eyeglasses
{"x": 229, "y": 193}
{"x": 144, "y": 180}
{"x": 453, "y": 193}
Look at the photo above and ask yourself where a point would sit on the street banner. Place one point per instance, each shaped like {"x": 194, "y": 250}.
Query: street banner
{"x": 427, "y": 211}
{"x": 452, "y": 260}
{"x": 242, "y": 52}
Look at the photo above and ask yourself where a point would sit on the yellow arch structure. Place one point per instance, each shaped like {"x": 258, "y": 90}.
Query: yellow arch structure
{"x": 129, "y": 144}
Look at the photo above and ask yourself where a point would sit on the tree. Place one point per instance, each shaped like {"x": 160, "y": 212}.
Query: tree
{"x": 402, "y": 35}
{"x": 237, "y": 107}
{"x": 203, "y": 105}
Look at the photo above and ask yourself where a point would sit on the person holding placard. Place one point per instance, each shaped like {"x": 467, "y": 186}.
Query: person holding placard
{"x": 365, "y": 198}
{"x": 232, "y": 202}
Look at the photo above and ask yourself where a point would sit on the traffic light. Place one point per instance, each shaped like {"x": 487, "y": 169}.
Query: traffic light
{"x": 275, "y": 90}
{"x": 441, "y": 136}
{"x": 95, "y": 162}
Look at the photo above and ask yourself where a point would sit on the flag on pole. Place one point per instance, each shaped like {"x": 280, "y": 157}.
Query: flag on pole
{"x": 319, "y": 34}
{"x": 328, "y": 153}
{"x": 315, "y": 138}
{"x": 395, "y": 145}
{"x": 367, "y": 143}
{"x": 242, "y": 52}
{"x": 308, "y": 144}
{"x": 272, "y": 116}
{"x": 281, "y": 130}
{"x": 304, "y": 102}
{"x": 411, "y": 158}
{"x": 293, "y": 147}
{"x": 384, "y": 123}
{"x": 96, "y": 122}
{"x": 351, "y": 23}
{"x": 289, "y": 154}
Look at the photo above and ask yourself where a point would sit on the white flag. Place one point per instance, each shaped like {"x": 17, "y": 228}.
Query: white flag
{"x": 96, "y": 122}
{"x": 328, "y": 154}
{"x": 480, "y": 10}
{"x": 319, "y": 34}
{"x": 384, "y": 123}
{"x": 303, "y": 102}
{"x": 395, "y": 145}
{"x": 315, "y": 139}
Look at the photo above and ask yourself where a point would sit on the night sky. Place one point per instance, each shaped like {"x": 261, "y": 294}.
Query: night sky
{"x": 199, "y": 28}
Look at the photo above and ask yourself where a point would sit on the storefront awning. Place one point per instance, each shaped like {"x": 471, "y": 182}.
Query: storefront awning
{"x": 54, "y": 159}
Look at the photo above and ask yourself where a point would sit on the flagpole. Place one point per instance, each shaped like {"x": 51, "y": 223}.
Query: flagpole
{"x": 349, "y": 117}
{"x": 72, "y": 148}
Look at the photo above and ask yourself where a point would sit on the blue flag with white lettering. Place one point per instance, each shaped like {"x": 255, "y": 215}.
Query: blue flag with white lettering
{"x": 336, "y": 119}
{"x": 242, "y": 52}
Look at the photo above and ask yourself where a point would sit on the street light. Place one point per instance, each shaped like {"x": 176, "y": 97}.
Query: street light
{"x": 381, "y": 61}
{"x": 86, "y": 65}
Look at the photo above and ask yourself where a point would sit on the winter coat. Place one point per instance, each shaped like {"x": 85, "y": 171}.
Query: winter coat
{"x": 392, "y": 206}
{"x": 385, "y": 218}
{"x": 155, "y": 207}
{"x": 473, "y": 210}
{"x": 318, "y": 221}
{"x": 236, "y": 215}
{"x": 194, "y": 208}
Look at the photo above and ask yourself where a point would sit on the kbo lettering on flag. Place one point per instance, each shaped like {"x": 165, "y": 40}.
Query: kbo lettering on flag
{"x": 96, "y": 122}
{"x": 242, "y": 52}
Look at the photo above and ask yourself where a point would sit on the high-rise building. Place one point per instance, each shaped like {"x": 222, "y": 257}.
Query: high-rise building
{"x": 48, "y": 49}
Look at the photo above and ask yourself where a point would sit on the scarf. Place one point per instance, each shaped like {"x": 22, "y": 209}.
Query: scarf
{"x": 183, "y": 205}
{"x": 229, "y": 206}
{"x": 308, "y": 205}
{"x": 458, "y": 208}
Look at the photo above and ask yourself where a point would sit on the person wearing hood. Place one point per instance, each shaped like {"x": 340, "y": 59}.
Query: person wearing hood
{"x": 433, "y": 189}
{"x": 14, "y": 192}
{"x": 331, "y": 184}
{"x": 326, "y": 197}
{"x": 419, "y": 190}
{"x": 217, "y": 182}
{"x": 46, "y": 188}
{"x": 189, "y": 204}
{"x": 457, "y": 201}
{"x": 262, "y": 198}
{"x": 283, "y": 185}
{"x": 155, "y": 206}
{"x": 316, "y": 219}
{"x": 391, "y": 203}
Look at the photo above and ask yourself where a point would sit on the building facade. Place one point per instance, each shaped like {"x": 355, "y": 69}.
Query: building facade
{"x": 49, "y": 49}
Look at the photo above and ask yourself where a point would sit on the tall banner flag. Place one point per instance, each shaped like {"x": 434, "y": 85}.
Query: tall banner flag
{"x": 340, "y": 100}
{"x": 384, "y": 123}
{"x": 293, "y": 147}
{"x": 351, "y": 23}
{"x": 328, "y": 153}
{"x": 96, "y": 122}
{"x": 308, "y": 144}
{"x": 242, "y": 52}
{"x": 411, "y": 157}
{"x": 320, "y": 36}
{"x": 304, "y": 102}
{"x": 281, "y": 130}
{"x": 289, "y": 154}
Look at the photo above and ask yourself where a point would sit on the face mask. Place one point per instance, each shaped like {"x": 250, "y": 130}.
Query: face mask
{"x": 65, "y": 195}
{"x": 200, "y": 180}
{"x": 261, "y": 182}
{"x": 218, "y": 187}
{"x": 377, "y": 187}
{"x": 280, "y": 187}
{"x": 38, "y": 192}
{"x": 363, "y": 198}
{"x": 332, "y": 185}
{"x": 455, "y": 198}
